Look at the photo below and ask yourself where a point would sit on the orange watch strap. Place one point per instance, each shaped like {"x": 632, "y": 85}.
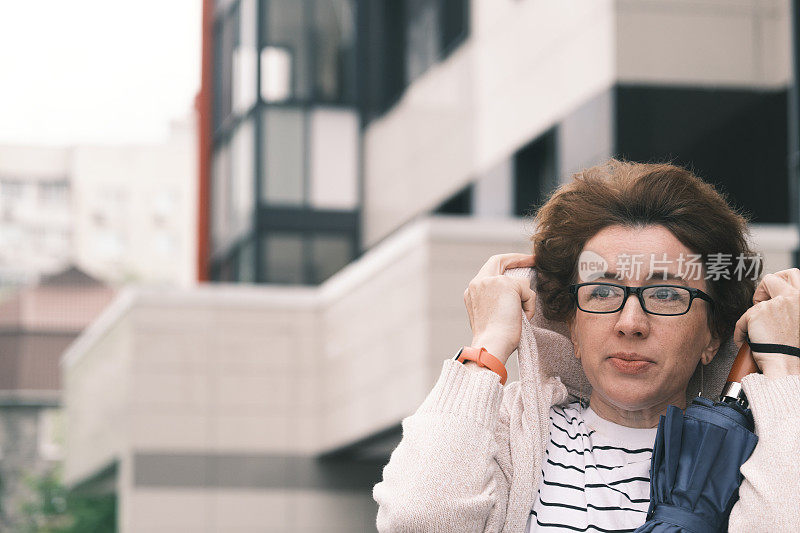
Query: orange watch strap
{"x": 485, "y": 359}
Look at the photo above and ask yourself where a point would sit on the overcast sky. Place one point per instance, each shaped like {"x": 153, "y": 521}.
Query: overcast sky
{"x": 96, "y": 71}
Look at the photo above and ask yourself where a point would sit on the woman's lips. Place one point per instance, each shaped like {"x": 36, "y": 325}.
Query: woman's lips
{"x": 630, "y": 366}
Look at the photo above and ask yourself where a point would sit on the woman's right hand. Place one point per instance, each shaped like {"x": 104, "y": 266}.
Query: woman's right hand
{"x": 493, "y": 302}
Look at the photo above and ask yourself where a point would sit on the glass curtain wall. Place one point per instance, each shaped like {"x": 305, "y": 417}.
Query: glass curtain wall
{"x": 284, "y": 205}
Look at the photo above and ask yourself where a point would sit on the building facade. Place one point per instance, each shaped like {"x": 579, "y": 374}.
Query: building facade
{"x": 123, "y": 213}
{"x": 36, "y": 325}
{"x": 270, "y": 402}
{"x": 35, "y": 199}
{"x": 284, "y": 141}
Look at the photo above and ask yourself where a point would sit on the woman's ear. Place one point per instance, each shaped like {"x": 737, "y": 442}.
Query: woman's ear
{"x": 573, "y": 337}
{"x": 710, "y": 350}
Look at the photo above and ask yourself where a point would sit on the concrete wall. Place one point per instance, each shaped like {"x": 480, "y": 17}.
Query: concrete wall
{"x": 524, "y": 66}
{"x": 528, "y": 66}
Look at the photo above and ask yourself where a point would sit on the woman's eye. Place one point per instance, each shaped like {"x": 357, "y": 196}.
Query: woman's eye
{"x": 665, "y": 294}
{"x": 601, "y": 292}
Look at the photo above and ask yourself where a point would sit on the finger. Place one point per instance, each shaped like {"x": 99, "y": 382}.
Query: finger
{"x": 498, "y": 264}
{"x": 468, "y": 305}
{"x": 791, "y": 275}
{"x": 527, "y": 296}
{"x": 772, "y": 285}
{"x": 740, "y": 330}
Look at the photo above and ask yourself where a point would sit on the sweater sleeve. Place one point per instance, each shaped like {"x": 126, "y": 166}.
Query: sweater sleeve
{"x": 768, "y": 495}
{"x": 444, "y": 475}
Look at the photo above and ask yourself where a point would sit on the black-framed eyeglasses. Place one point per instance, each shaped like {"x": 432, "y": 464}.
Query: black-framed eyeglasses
{"x": 668, "y": 300}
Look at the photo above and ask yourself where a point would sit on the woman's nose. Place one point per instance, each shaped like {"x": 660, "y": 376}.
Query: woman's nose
{"x": 633, "y": 320}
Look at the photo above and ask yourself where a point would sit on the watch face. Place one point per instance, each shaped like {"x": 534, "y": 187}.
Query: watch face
{"x": 458, "y": 354}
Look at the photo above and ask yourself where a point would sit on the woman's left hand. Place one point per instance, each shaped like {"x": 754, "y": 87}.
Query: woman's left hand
{"x": 774, "y": 319}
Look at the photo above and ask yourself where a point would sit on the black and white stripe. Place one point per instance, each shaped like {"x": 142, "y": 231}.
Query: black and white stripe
{"x": 595, "y": 474}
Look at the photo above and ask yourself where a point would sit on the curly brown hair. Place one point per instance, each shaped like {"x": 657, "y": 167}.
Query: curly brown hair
{"x": 634, "y": 195}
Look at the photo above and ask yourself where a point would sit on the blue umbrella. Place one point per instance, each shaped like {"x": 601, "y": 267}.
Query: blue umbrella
{"x": 694, "y": 473}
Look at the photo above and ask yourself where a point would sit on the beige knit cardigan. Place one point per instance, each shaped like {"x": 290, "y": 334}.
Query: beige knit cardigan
{"x": 470, "y": 456}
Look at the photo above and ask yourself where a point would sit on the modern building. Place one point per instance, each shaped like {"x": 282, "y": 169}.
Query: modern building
{"x": 123, "y": 213}
{"x": 35, "y": 213}
{"x": 36, "y": 325}
{"x": 270, "y": 402}
{"x": 135, "y": 210}
{"x": 284, "y": 141}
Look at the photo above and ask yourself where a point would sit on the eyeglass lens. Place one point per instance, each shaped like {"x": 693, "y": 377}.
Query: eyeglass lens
{"x": 608, "y": 298}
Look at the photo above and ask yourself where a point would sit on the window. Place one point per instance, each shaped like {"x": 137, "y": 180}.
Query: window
{"x": 11, "y": 189}
{"x": 329, "y": 254}
{"x": 276, "y": 73}
{"x": 283, "y": 163}
{"x": 422, "y": 37}
{"x": 220, "y": 192}
{"x": 334, "y": 159}
{"x": 283, "y": 258}
{"x": 458, "y": 204}
{"x": 245, "y": 57}
{"x": 334, "y": 51}
{"x": 535, "y": 173}
{"x": 400, "y": 40}
{"x": 242, "y": 177}
{"x": 54, "y": 192}
{"x": 285, "y": 53}
{"x": 223, "y": 68}
{"x": 308, "y": 52}
{"x": 453, "y": 23}
{"x": 247, "y": 262}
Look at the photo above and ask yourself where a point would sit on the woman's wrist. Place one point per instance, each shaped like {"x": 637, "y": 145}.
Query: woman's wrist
{"x": 496, "y": 348}
{"x": 779, "y": 367}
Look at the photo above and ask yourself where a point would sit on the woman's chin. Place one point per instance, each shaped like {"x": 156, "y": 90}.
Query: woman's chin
{"x": 630, "y": 396}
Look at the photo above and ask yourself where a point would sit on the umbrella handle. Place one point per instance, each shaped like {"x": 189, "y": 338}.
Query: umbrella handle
{"x": 743, "y": 365}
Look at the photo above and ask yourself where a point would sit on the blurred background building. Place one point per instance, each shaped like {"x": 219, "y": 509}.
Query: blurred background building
{"x": 123, "y": 213}
{"x": 358, "y": 161}
{"x": 37, "y": 324}
{"x": 76, "y": 223}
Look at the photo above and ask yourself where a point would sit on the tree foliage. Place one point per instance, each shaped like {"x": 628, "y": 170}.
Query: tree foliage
{"x": 53, "y": 508}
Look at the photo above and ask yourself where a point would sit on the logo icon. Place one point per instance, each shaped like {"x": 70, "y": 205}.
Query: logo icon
{"x": 591, "y": 266}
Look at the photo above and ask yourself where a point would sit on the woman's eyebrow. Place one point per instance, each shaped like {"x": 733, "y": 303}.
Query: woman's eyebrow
{"x": 662, "y": 276}
{"x": 655, "y": 276}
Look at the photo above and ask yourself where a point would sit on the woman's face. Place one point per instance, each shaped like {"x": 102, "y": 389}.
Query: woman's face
{"x": 672, "y": 344}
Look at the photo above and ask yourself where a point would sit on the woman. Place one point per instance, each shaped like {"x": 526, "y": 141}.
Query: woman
{"x": 481, "y": 456}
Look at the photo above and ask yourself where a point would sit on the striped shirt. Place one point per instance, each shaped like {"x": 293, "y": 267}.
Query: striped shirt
{"x": 595, "y": 474}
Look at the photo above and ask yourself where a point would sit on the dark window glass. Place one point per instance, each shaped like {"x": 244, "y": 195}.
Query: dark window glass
{"x": 334, "y": 51}
{"x": 329, "y": 254}
{"x": 535, "y": 173}
{"x": 242, "y": 186}
{"x": 227, "y": 271}
{"x": 223, "y": 57}
{"x": 399, "y": 40}
{"x": 393, "y": 36}
{"x": 285, "y": 51}
{"x": 283, "y": 258}
{"x": 733, "y": 138}
{"x": 220, "y": 198}
{"x": 283, "y": 156}
{"x": 247, "y": 262}
{"x": 454, "y": 20}
{"x": 422, "y": 36}
{"x": 458, "y": 204}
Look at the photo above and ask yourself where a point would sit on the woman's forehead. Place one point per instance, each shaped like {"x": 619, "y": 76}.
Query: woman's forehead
{"x": 649, "y": 252}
